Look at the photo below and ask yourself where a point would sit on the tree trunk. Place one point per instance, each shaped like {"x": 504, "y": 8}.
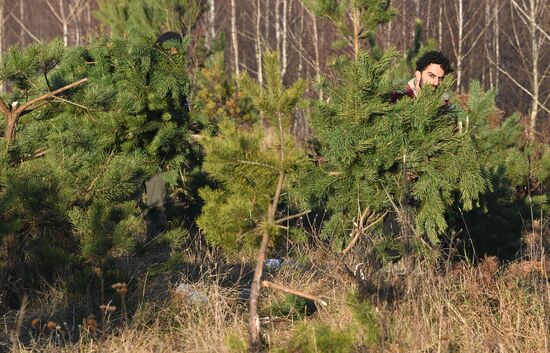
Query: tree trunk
{"x": 2, "y": 23}
{"x": 234, "y": 37}
{"x": 65, "y": 34}
{"x": 22, "y": 18}
{"x": 497, "y": 45}
{"x": 460, "y": 44}
{"x": 440, "y": 25}
{"x": 316, "y": 51}
{"x": 284, "y": 34}
{"x": 212, "y": 20}
{"x": 11, "y": 123}
{"x": 535, "y": 80}
{"x": 258, "y": 43}
{"x": 253, "y": 318}
{"x": 356, "y": 29}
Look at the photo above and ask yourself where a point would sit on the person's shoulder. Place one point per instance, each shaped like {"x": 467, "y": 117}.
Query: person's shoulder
{"x": 397, "y": 94}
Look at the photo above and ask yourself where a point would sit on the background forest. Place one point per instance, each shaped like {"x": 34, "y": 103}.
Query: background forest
{"x": 229, "y": 176}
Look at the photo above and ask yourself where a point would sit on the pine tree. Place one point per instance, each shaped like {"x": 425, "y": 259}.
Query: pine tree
{"x": 216, "y": 97}
{"x": 151, "y": 17}
{"x": 248, "y": 163}
{"x": 365, "y": 16}
{"x": 253, "y": 170}
{"x": 77, "y": 166}
{"x": 496, "y": 226}
{"x": 377, "y": 156}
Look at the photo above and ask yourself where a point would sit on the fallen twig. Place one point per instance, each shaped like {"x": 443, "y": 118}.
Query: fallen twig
{"x": 269, "y": 284}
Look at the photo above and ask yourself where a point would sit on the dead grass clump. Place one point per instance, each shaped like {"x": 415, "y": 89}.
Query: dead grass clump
{"x": 476, "y": 311}
{"x": 483, "y": 308}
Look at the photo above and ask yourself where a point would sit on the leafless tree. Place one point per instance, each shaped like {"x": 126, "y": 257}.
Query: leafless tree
{"x": 258, "y": 42}
{"x": 66, "y": 13}
{"x": 234, "y": 37}
{"x": 465, "y": 32}
{"x": 527, "y": 36}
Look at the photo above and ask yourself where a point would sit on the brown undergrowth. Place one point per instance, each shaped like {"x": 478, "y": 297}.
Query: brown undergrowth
{"x": 485, "y": 308}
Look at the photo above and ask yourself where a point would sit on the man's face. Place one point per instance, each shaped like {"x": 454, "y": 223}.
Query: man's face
{"x": 432, "y": 76}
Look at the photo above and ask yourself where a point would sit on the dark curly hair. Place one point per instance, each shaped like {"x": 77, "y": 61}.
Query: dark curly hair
{"x": 434, "y": 57}
{"x": 166, "y": 36}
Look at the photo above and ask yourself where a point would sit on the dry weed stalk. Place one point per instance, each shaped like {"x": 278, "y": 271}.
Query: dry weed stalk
{"x": 122, "y": 290}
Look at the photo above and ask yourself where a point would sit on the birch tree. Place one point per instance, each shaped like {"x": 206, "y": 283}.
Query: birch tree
{"x": 66, "y": 13}
{"x": 354, "y": 20}
{"x": 235, "y": 37}
{"x": 527, "y": 35}
{"x": 258, "y": 42}
{"x": 465, "y": 33}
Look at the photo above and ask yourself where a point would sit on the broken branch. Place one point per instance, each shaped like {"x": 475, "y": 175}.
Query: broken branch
{"x": 359, "y": 230}
{"x": 288, "y": 218}
{"x": 269, "y": 284}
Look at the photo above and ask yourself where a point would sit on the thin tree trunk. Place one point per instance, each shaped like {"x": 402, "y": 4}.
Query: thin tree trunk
{"x": 2, "y": 22}
{"x": 301, "y": 44}
{"x": 64, "y": 23}
{"x": 488, "y": 74}
{"x": 258, "y": 43}
{"x": 277, "y": 26}
{"x": 356, "y": 29}
{"x": 535, "y": 84}
{"x": 316, "y": 50}
{"x": 234, "y": 37}
{"x": 253, "y": 319}
{"x": 428, "y": 17}
{"x": 440, "y": 25}
{"x": 22, "y": 17}
{"x": 284, "y": 34}
{"x": 77, "y": 33}
{"x": 212, "y": 19}
{"x": 460, "y": 43}
{"x": 404, "y": 29}
{"x": 266, "y": 21}
{"x": 497, "y": 46}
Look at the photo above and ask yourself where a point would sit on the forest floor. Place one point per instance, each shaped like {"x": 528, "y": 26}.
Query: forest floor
{"x": 489, "y": 307}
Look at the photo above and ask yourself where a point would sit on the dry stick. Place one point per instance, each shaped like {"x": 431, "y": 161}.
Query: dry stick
{"x": 360, "y": 229}
{"x": 288, "y": 218}
{"x": 269, "y": 284}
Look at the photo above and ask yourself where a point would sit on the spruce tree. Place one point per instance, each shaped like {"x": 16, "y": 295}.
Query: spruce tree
{"x": 377, "y": 156}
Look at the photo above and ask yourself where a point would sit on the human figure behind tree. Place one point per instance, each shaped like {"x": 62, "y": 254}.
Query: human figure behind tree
{"x": 431, "y": 69}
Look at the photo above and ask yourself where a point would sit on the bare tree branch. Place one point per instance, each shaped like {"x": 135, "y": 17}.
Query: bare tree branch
{"x": 519, "y": 85}
{"x": 268, "y": 284}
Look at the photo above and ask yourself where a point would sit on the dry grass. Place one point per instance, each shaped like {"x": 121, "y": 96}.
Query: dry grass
{"x": 486, "y": 308}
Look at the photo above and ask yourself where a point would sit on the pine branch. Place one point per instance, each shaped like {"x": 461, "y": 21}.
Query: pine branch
{"x": 258, "y": 164}
{"x": 12, "y": 116}
{"x": 27, "y": 107}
